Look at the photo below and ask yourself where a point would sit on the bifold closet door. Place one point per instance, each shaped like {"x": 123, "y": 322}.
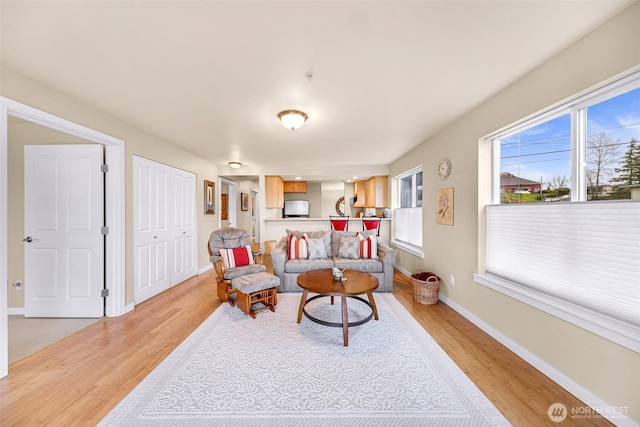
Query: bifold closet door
{"x": 164, "y": 208}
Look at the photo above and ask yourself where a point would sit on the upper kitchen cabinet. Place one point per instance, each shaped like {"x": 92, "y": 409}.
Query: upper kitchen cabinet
{"x": 295, "y": 186}
{"x": 274, "y": 189}
{"x": 376, "y": 191}
{"x": 358, "y": 191}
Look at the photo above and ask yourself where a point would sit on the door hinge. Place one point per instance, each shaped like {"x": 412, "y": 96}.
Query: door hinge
{"x": 104, "y": 293}
{"x": 104, "y": 168}
{"x": 104, "y": 230}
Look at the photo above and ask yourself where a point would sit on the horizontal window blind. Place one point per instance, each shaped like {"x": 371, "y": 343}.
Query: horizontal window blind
{"x": 408, "y": 225}
{"x": 587, "y": 254}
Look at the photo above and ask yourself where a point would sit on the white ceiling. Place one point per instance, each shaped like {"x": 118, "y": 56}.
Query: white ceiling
{"x": 211, "y": 76}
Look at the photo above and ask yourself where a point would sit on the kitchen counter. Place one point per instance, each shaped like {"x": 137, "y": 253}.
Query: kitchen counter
{"x": 276, "y": 228}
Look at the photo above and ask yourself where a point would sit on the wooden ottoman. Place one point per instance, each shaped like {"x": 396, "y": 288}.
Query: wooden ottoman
{"x": 256, "y": 288}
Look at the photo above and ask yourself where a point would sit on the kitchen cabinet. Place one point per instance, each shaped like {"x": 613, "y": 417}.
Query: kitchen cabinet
{"x": 358, "y": 191}
{"x": 295, "y": 186}
{"x": 376, "y": 191}
{"x": 274, "y": 189}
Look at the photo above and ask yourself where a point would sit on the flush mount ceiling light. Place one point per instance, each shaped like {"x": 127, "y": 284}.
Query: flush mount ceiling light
{"x": 235, "y": 165}
{"x": 292, "y": 119}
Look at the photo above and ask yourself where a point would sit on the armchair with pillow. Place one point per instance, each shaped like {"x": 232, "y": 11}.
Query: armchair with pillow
{"x": 298, "y": 252}
{"x": 231, "y": 255}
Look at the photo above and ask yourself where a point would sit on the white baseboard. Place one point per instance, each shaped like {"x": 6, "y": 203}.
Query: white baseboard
{"x": 15, "y": 311}
{"x": 128, "y": 308}
{"x": 561, "y": 379}
{"x": 205, "y": 269}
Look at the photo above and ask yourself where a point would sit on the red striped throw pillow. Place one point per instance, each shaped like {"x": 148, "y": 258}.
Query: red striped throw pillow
{"x": 236, "y": 257}
{"x": 368, "y": 246}
{"x": 297, "y": 247}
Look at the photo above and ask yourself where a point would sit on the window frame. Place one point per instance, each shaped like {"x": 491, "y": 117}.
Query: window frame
{"x": 619, "y": 332}
{"x": 577, "y": 109}
{"x": 397, "y": 203}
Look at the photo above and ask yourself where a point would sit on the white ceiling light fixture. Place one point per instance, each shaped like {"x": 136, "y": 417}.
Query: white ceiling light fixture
{"x": 292, "y": 119}
{"x": 235, "y": 165}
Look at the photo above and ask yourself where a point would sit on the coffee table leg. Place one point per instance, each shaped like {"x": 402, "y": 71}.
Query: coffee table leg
{"x": 303, "y": 300}
{"x": 373, "y": 305}
{"x": 345, "y": 321}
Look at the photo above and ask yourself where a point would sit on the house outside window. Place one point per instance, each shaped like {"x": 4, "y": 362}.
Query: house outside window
{"x": 407, "y": 214}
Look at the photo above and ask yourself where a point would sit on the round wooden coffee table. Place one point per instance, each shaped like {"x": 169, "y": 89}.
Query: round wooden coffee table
{"x": 321, "y": 282}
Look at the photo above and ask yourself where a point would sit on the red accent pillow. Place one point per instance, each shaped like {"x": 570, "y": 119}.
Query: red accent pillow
{"x": 368, "y": 246}
{"x": 236, "y": 257}
{"x": 297, "y": 247}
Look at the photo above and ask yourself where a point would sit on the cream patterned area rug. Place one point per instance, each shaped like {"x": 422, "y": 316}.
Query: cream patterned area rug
{"x": 271, "y": 371}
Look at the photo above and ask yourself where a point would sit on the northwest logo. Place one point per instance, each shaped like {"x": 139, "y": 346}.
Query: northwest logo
{"x": 557, "y": 412}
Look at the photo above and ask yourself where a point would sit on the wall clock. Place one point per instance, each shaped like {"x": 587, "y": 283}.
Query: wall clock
{"x": 444, "y": 168}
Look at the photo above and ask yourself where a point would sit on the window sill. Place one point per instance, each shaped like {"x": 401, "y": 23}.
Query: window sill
{"x": 412, "y": 249}
{"x": 612, "y": 329}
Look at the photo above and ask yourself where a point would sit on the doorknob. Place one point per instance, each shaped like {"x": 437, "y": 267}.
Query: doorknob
{"x": 27, "y": 239}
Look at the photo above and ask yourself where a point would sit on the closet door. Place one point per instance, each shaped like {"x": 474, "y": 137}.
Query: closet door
{"x": 151, "y": 229}
{"x": 184, "y": 190}
{"x": 164, "y": 227}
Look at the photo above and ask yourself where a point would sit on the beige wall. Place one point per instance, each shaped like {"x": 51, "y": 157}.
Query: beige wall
{"x": 599, "y": 366}
{"x": 26, "y": 91}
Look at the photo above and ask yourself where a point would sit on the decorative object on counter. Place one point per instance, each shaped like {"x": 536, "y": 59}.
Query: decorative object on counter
{"x": 372, "y": 223}
{"x": 340, "y": 206}
{"x": 444, "y": 214}
{"x": 223, "y": 206}
{"x": 209, "y": 197}
{"x": 444, "y": 169}
{"x": 235, "y": 165}
{"x": 244, "y": 201}
{"x": 339, "y": 223}
{"x": 426, "y": 287}
{"x": 292, "y": 119}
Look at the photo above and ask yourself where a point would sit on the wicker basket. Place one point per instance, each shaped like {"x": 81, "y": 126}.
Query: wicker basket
{"x": 426, "y": 287}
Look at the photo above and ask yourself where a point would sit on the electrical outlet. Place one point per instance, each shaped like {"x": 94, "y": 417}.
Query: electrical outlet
{"x": 17, "y": 285}
{"x": 452, "y": 280}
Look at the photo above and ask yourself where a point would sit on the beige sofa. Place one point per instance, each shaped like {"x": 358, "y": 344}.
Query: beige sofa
{"x": 288, "y": 270}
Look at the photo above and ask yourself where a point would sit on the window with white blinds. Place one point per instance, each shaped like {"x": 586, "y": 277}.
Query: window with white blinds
{"x": 408, "y": 226}
{"x": 580, "y": 261}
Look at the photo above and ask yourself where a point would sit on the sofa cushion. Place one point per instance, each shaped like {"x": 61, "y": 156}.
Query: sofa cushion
{"x": 302, "y": 265}
{"x": 336, "y": 236}
{"x": 316, "y": 249}
{"x": 297, "y": 247}
{"x": 360, "y": 264}
{"x": 349, "y": 247}
{"x": 324, "y": 235}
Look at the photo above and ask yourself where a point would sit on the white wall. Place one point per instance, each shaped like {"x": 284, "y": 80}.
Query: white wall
{"x": 26, "y": 91}
{"x": 599, "y": 367}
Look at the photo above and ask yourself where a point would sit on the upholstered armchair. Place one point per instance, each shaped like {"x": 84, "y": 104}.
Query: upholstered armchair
{"x": 231, "y": 255}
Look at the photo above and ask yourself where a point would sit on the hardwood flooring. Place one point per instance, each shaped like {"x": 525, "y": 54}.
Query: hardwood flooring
{"x": 78, "y": 380}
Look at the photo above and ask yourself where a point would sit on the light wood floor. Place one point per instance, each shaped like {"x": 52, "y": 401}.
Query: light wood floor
{"x": 78, "y": 380}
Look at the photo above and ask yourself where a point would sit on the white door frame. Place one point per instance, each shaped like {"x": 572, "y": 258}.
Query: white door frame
{"x": 254, "y": 197}
{"x": 114, "y": 209}
{"x": 232, "y": 201}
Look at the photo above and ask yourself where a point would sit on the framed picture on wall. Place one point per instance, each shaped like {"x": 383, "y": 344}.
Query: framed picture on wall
{"x": 209, "y": 197}
{"x": 223, "y": 207}
{"x": 444, "y": 213}
{"x": 244, "y": 201}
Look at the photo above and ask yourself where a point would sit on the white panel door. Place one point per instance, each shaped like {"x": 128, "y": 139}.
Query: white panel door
{"x": 184, "y": 191}
{"x": 64, "y": 245}
{"x": 152, "y": 249}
